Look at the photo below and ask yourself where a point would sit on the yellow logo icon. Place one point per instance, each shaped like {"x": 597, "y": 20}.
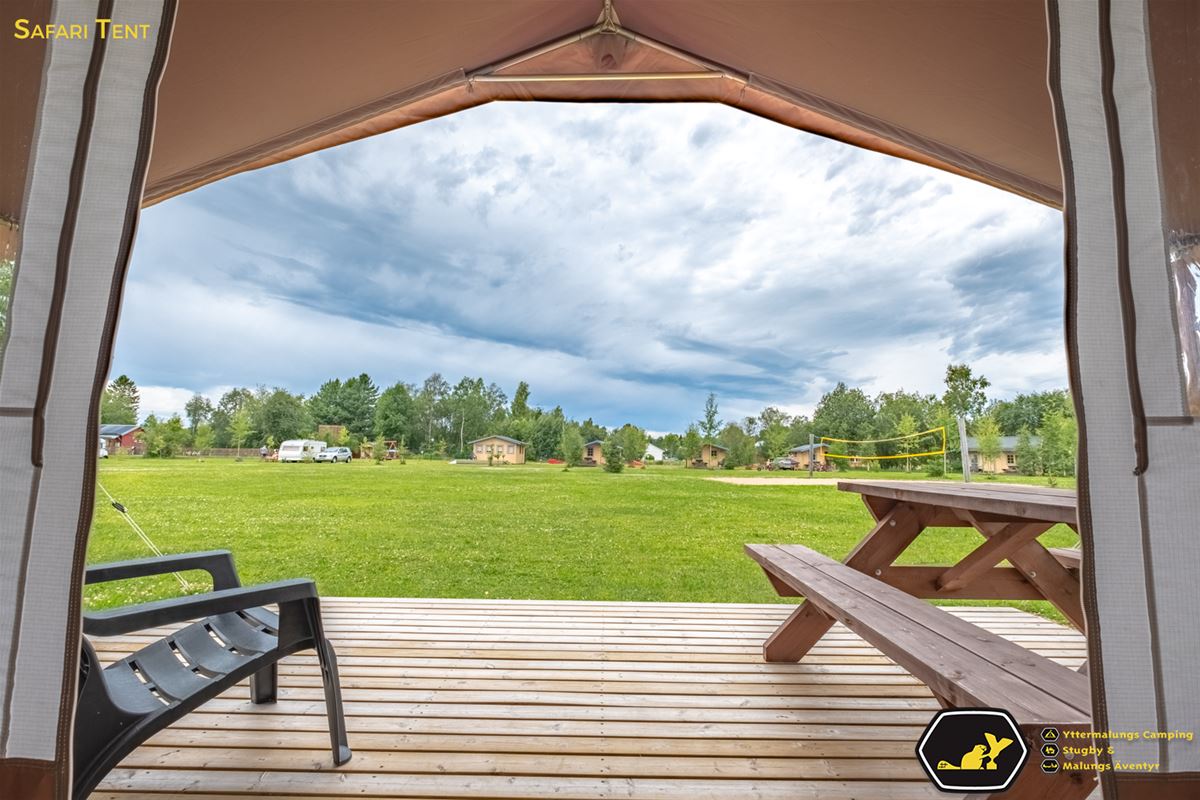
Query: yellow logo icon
{"x": 972, "y": 750}
{"x": 981, "y": 756}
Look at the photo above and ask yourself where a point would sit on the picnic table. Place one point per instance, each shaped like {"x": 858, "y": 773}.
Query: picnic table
{"x": 963, "y": 665}
{"x": 1009, "y": 517}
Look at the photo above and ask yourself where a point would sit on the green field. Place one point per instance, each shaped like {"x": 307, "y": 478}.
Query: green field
{"x": 432, "y": 529}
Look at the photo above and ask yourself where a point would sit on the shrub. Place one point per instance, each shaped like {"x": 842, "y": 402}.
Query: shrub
{"x": 614, "y": 455}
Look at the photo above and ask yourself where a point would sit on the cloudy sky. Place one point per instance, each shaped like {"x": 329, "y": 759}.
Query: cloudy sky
{"x": 625, "y": 260}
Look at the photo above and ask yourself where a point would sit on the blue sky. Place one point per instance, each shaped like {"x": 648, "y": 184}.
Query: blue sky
{"x": 623, "y": 259}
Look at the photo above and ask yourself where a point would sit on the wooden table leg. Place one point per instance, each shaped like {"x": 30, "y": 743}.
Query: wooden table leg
{"x": 994, "y": 549}
{"x": 1057, "y": 584}
{"x": 893, "y": 533}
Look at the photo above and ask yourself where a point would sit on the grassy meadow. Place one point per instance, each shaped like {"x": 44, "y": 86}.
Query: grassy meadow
{"x": 432, "y": 529}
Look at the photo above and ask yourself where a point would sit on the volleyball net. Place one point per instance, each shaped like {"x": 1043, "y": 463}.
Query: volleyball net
{"x": 922, "y": 444}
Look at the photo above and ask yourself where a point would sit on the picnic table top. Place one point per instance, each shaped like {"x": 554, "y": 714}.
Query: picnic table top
{"x": 1006, "y": 499}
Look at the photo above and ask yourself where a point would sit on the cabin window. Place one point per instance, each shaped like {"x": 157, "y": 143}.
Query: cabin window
{"x": 590, "y": 453}
{"x": 1011, "y": 459}
{"x": 510, "y": 448}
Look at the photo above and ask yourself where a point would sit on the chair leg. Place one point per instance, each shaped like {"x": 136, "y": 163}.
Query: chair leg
{"x": 339, "y": 743}
{"x": 338, "y": 740}
{"x": 264, "y": 684}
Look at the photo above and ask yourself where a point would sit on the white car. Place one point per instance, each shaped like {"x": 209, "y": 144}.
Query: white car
{"x": 334, "y": 455}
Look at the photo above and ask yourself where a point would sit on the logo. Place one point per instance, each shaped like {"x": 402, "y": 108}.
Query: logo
{"x": 972, "y": 750}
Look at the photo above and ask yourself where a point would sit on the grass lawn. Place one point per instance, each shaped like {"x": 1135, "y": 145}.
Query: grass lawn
{"x": 431, "y": 529}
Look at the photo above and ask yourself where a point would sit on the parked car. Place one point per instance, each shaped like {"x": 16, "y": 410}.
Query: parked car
{"x": 334, "y": 455}
{"x": 294, "y": 450}
{"x": 782, "y": 463}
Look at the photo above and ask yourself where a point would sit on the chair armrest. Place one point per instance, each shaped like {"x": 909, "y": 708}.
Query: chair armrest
{"x": 127, "y": 619}
{"x": 217, "y": 563}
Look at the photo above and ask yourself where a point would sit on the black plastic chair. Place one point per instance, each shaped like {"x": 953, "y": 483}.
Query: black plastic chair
{"x": 122, "y": 705}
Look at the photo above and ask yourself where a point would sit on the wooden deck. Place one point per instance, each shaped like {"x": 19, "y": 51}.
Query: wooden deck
{"x": 571, "y": 700}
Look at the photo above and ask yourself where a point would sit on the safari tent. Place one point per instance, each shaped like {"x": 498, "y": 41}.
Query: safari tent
{"x": 1086, "y": 105}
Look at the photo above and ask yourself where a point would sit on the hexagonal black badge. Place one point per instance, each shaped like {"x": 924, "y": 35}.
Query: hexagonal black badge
{"x": 972, "y": 750}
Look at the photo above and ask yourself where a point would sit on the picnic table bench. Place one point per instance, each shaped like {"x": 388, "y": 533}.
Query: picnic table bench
{"x": 962, "y": 664}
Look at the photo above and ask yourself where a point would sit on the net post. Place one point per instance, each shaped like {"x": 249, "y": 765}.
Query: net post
{"x": 811, "y": 442}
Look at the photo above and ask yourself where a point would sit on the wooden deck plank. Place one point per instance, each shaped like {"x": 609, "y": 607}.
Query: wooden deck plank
{"x": 540, "y": 699}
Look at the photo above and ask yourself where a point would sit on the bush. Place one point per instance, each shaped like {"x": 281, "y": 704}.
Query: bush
{"x": 614, "y": 455}
{"x": 934, "y": 469}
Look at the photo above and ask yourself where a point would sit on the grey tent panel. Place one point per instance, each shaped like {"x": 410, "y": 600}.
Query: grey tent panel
{"x": 60, "y": 383}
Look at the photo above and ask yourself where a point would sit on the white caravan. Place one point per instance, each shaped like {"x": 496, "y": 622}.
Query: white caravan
{"x": 300, "y": 449}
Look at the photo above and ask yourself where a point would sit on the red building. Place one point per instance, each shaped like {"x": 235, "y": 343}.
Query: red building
{"x": 121, "y": 438}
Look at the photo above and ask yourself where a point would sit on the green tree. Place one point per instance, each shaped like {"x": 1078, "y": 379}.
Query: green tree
{"x": 690, "y": 446}
{"x": 632, "y": 441}
{"x": 965, "y": 396}
{"x": 1029, "y": 410}
{"x": 710, "y": 423}
{"x": 202, "y": 439}
{"x": 546, "y": 436}
{"x": 228, "y": 406}
{"x": 7, "y": 266}
{"x": 741, "y": 445}
{"x": 199, "y": 411}
{"x": 670, "y": 444}
{"x": 241, "y": 428}
{"x": 890, "y": 408}
{"x": 350, "y": 403}
{"x": 987, "y": 436}
{"x": 119, "y": 405}
{"x": 572, "y": 446}
{"x": 906, "y": 426}
{"x": 431, "y": 411}
{"x": 776, "y": 440}
{"x": 614, "y": 454}
{"x": 799, "y": 430}
{"x": 520, "y": 403}
{"x": 1028, "y": 453}
{"x": 358, "y": 398}
{"x": 845, "y": 413}
{"x": 163, "y": 439}
{"x": 1059, "y": 434}
{"x": 396, "y": 413}
{"x": 282, "y": 415}
{"x": 591, "y": 432}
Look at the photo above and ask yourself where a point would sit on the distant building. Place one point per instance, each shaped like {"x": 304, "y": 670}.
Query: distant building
{"x": 501, "y": 448}
{"x": 1006, "y": 462}
{"x": 121, "y": 438}
{"x": 593, "y": 453}
{"x": 654, "y": 452}
{"x": 801, "y": 455}
{"x": 712, "y": 456}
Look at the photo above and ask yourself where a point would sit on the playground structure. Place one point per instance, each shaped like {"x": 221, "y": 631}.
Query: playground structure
{"x": 391, "y": 452}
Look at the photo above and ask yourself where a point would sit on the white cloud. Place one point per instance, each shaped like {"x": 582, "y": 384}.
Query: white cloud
{"x": 625, "y": 260}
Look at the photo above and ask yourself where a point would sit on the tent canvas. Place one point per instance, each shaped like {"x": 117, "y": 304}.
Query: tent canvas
{"x": 95, "y": 128}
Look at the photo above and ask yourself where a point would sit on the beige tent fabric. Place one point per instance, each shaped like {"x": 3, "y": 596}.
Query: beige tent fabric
{"x": 959, "y": 86}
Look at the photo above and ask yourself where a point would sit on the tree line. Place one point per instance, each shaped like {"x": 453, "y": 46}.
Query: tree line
{"x": 438, "y": 418}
